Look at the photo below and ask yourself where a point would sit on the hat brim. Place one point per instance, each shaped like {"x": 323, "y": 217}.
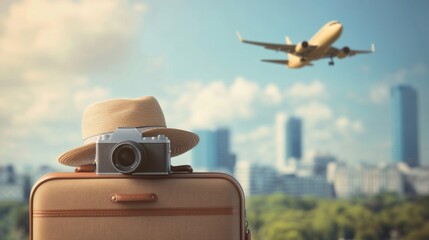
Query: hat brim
{"x": 180, "y": 142}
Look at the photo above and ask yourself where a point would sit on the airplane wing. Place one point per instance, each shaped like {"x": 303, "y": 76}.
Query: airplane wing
{"x": 288, "y": 48}
{"x": 336, "y": 52}
{"x": 283, "y": 62}
{"x": 273, "y": 46}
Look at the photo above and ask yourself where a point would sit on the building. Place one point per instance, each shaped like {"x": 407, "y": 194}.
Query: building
{"x": 320, "y": 163}
{"x": 294, "y": 138}
{"x": 213, "y": 151}
{"x": 40, "y": 171}
{"x": 8, "y": 175}
{"x": 225, "y": 158}
{"x": 204, "y": 154}
{"x": 405, "y": 125}
{"x": 256, "y": 179}
{"x": 305, "y": 186}
{"x": 416, "y": 180}
{"x": 281, "y": 142}
{"x": 349, "y": 181}
{"x": 11, "y": 185}
{"x": 288, "y": 142}
{"x": 261, "y": 180}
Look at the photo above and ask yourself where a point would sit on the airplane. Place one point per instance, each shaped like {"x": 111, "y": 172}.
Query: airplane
{"x": 318, "y": 47}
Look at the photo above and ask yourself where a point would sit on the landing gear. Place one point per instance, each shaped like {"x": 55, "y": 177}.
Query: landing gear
{"x": 331, "y": 63}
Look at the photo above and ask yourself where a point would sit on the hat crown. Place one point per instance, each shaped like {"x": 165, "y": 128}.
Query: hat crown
{"x": 105, "y": 117}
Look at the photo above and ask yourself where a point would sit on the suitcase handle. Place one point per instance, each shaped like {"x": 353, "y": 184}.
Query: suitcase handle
{"x": 124, "y": 198}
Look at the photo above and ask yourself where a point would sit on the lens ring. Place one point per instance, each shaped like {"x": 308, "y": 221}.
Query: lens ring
{"x": 127, "y": 156}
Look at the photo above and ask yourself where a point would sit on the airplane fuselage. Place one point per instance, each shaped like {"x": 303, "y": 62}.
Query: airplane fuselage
{"x": 323, "y": 39}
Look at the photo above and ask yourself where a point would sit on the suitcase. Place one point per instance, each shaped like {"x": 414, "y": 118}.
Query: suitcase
{"x": 178, "y": 206}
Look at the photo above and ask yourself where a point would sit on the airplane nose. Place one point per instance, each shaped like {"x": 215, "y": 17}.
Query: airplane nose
{"x": 339, "y": 27}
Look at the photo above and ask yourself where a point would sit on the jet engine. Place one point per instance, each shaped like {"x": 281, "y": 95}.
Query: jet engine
{"x": 344, "y": 52}
{"x": 300, "y": 47}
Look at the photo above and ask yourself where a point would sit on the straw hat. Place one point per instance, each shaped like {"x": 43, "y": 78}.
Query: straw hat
{"x": 143, "y": 113}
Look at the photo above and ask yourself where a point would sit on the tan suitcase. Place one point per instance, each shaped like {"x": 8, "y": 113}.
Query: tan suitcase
{"x": 179, "y": 206}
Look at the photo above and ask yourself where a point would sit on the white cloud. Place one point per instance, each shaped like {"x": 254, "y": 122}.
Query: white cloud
{"x": 207, "y": 105}
{"x": 272, "y": 93}
{"x": 52, "y": 49}
{"x": 379, "y": 93}
{"x": 51, "y": 46}
{"x": 258, "y": 134}
{"x": 85, "y": 97}
{"x": 317, "y": 134}
{"x": 257, "y": 145}
{"x": 198, "y": 105}
{"x": 314, "y": 112}
{"x": 346, "y": 126}
{"x": 43, "y": 101}
{"x": 300, "y": 90}
{"x": 215, "y": 103}
{"x": 72, "y": 36}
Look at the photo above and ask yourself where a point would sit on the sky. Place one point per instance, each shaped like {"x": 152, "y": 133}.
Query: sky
{"x": 57, "y": 57}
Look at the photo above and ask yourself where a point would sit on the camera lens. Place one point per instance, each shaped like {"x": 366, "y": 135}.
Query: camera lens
{"x": 127, "y": 156}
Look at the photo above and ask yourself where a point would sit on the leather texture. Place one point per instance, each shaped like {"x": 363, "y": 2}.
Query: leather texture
{"x": 138, "y": 197}
{"x": 177, "y": 206}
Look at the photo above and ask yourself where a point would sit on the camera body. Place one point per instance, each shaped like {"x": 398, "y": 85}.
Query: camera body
{"x": 126, "y": 151}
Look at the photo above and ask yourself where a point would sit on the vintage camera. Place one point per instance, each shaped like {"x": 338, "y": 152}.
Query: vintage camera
{"x": 126, "y": 151}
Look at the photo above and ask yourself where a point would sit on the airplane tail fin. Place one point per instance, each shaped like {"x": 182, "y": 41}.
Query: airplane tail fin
{"x": 373, "y": 47}
{"x": 288, "y": 41}
{"x": 239, "y": 36}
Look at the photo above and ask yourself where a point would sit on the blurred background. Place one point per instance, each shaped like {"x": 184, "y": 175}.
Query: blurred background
{"x": 321, "y": 152}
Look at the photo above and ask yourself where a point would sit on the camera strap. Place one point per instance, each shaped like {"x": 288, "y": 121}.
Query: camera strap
{"x": 173, "y": 169}
{"x": 181, "y": 168}
{"x": 85, "y": 168}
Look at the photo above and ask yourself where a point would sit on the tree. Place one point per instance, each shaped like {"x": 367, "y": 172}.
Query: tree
{"x": 419, "y": 234}
{"x": 14, "y": 221}
{"x": 284, "y": 217}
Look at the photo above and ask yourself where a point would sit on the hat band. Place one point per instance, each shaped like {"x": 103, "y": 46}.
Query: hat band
{"x": 93, "y": 139}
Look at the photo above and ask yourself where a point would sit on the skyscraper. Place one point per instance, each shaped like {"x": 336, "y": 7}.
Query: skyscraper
{"x": 204, "y": 154}
{"x": 281, "y": 141}
{"x": 288, "y": 142}
{"x": 294, "y": 138}
{"x": 213, "y": 151}
{"x": 405, "y": 125}
{"x": 225, "y": 158}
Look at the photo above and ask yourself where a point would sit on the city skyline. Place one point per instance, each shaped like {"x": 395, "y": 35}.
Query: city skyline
{"x": 214, "y": 151}
{"x": 289, "y": 138}
{"x": 190, "y": 59}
